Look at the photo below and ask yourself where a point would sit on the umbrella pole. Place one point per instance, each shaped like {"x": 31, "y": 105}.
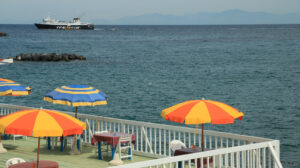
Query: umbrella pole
{"x": 202, "y": 141}
{"x": 74, "y": 150}
{"x": 196, "y": 131}
{"x": 76, "y": 111}
{"x": 37, "y": 160}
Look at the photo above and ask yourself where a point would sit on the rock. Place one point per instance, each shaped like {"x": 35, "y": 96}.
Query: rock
{"x": 35, "y": 57}
{"x": 72, "y": 57}
{"x": 18, "y": 58}
{"x": 57, "y": 58}
{"x": 48, "y": 57}
{"x": 81, "y": 57}
{"x": 26, "y": 57}
{"x": 65, "y": 57}
{"x": 43, "y": 57}
{"x": 2, "y": 34}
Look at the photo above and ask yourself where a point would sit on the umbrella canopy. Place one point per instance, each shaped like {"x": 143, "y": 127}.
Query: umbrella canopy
{"x": 76, "y": 95}
{"x": 200, "y": 112}
{"x": 40, "y": 123}
{"x": 9, "y": 87}
{"x": 5, "y": 80}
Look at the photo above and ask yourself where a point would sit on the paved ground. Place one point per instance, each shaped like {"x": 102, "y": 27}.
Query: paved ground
{"x": 27, "y": 149}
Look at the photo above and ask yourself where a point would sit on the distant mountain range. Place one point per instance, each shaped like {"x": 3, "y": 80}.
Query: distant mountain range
{"x": 226, "y": 17}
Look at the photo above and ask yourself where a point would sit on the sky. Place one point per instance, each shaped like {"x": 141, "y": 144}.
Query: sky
{"x": 28, "y": 11}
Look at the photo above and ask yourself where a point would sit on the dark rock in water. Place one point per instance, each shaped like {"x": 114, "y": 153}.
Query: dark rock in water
{"x": 43, "y": 57}
{"x": 65, "y": 57}
{"x": 72, "y": 56}
{"x": 18, "y": 58}
{"x": 80, "y": 57}
{"x": 35, "y": 57}
{"x": 48, "y": 57}
{"x": 2, "y": 34}
{"x": 56, "y": 57}
{"x": 26, "y": 57}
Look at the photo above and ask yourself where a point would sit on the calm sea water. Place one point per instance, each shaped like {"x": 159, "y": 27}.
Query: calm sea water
{"x": 144, "y": 69}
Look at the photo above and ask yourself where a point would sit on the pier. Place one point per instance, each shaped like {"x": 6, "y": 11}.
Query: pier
{"x": 152, "y": 149}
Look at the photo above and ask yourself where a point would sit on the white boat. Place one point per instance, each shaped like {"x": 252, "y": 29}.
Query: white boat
{"x": 6, "y": 61}
{"x": 49, "y": 23}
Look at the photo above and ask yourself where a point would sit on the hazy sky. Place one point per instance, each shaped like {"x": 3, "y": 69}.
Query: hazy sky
{"x": 27, "y": 11}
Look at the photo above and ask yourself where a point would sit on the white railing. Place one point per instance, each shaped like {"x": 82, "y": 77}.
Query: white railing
{"x": 152, "y": 140}
{"x": 247, "y": 156}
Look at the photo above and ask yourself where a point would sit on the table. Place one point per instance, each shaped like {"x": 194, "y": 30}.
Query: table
{"x": 185, "y": 151}
{"x": 112, "y": 139}
{"x": 42, "y": 164}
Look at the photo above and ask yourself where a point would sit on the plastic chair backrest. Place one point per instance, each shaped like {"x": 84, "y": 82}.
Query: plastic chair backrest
{"x": 176, "y": 144}
{"x": 100, "y": 132}
{"x": 124, "y": 144}
{"x": 13, "y": 161}
{"x": 124, "y": 139}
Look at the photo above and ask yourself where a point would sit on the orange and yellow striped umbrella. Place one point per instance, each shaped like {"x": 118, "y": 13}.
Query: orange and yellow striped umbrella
{"x": 200, "y": 112}
{"x": 41, "y": 123}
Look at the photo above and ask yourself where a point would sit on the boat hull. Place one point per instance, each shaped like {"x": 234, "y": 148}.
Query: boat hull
{"x": 6, "y": 61}
{"x": 65, "y": 27}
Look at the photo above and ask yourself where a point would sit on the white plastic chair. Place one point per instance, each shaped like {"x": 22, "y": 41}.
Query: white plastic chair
{"x": 71, "y": 140}
{"x": 125, "y": 143}
{"x": 100, "y": 132}
{"x": 176, "y": 144}
{"x": 53, "y": 142}
{"x": 16, "y": 136}
{"x": 13, "y": 161}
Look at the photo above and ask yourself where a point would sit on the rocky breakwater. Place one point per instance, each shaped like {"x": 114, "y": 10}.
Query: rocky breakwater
{"x": 2, "y": 34}
{"x": 48, "y": 57}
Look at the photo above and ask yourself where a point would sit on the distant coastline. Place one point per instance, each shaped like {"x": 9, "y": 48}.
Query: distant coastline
{"x": 206, "y": 18}
{"x": 228, "y": 17}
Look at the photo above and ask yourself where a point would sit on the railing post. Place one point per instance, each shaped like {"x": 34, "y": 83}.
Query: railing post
{"x": 147, "y": 140}
{"x": 277, "y": 148}
{"x": 90, "y": 134}
{"x": 98, "y": 125}
{"x": 123, "y": 127}
{"x": 275, "y": 154}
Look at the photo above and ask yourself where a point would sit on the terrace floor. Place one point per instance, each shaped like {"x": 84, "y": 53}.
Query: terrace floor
{"x": 27, "y": 149}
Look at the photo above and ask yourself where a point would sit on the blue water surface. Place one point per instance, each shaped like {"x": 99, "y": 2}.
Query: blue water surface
{"x": 144, "y": 69}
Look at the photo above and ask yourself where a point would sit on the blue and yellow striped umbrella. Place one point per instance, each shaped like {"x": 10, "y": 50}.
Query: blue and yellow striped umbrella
{"x": 76, "y": 95}
{"x": 10, "y": 88}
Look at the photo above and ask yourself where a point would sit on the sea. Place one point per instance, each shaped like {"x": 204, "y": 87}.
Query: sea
{"x": 145, "y": 69}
